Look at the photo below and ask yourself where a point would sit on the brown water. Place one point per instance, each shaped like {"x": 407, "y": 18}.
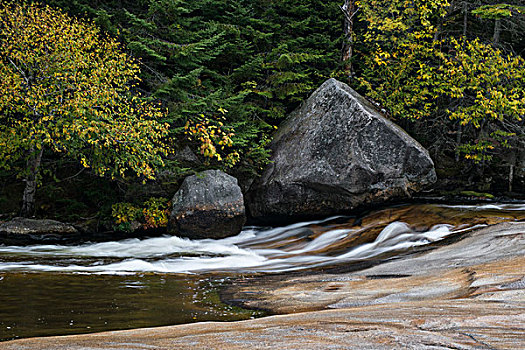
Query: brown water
{"x": 56, "y": 290}
{"x": 40, "y": 304}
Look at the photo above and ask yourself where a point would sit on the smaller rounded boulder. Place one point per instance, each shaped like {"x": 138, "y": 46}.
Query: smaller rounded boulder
{"x": 208, "y": 205}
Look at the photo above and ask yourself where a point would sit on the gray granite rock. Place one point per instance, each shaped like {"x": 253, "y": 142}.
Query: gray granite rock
{"x": 335, "y": 153}
{"x": 208, "y": 205}
{"x": 24, "y": 226}
{"x": 26, "y": 231}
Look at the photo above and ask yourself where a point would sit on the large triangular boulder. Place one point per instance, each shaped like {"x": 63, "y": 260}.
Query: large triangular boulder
{"x": 337, "y": 152}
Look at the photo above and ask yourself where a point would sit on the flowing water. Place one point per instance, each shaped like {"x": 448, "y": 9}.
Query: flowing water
{"x": 56, "y": 289}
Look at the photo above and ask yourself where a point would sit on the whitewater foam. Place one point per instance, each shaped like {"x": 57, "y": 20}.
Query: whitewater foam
{"x": 253, "y": 250}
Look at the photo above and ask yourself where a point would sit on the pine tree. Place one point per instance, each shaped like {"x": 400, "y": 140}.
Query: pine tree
{"x": 255, "y": 59}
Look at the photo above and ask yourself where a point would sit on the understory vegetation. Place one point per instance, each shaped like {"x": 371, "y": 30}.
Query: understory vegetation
{"x": 165, "y": 88}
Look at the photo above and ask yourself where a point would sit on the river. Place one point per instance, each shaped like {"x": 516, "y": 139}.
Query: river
{"x": 59, "y": 289}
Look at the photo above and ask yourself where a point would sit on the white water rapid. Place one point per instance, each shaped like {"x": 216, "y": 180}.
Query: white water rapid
{"x": 294, "y": 247}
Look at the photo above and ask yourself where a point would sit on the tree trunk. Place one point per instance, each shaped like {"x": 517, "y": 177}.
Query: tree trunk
{"x": 512, "y": 160}
{"x": 348, "y": 9}
{"x": 497, "y": 31}
{"x": 511, "y": 176}
{"x": 465, "y": 19}
{"x": 458, "y": 139}
{"x": 33, "y": 166}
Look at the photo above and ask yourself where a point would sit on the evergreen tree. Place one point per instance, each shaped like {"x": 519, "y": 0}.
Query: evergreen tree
{"x": 255, "y": 59}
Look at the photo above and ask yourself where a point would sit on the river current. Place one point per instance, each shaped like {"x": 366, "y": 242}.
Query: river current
{"x": 167, "y": 280}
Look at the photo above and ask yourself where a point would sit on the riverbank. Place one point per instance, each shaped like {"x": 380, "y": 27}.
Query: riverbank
{"x": 469, "y": 294}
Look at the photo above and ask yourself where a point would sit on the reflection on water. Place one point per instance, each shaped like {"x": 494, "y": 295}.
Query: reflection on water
{"x": 53, "y": 289}
{"x": 38, "y": 304}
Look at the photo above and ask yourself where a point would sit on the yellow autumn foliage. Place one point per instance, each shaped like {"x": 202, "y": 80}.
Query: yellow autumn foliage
{"x": 67, "y": 88}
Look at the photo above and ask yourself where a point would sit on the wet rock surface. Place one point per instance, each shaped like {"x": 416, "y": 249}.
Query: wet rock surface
{"x": 420, "y": 325}
{"x": 25, "y": 231}
{"x": 335, "y": 153}
{"x": 488, "y": 258}
{"x": 208, "y": 205}
{"x": 465, "y": 295}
